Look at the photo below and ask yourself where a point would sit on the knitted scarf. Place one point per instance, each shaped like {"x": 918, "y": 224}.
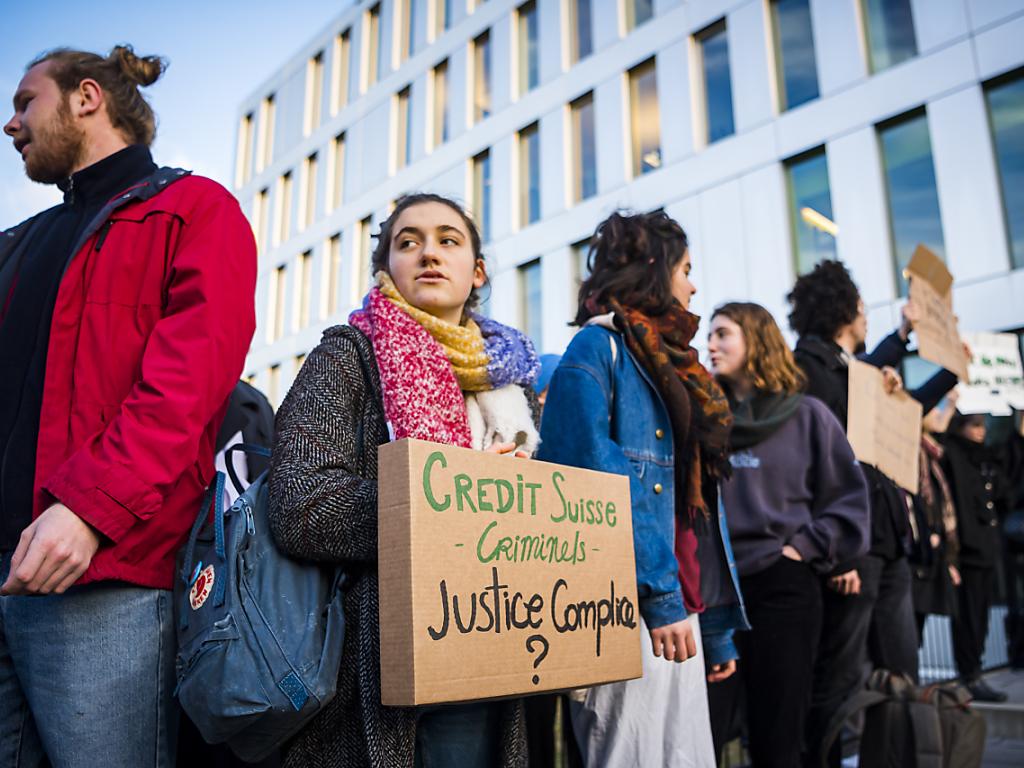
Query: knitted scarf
{"x": 932, "y": 479}
{"x": 425, "y": 363}
{"x": 697, "y": 406}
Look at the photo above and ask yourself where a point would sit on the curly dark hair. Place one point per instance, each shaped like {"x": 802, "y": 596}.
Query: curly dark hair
{"x": 823, "y": 300}
{"x": 631, "y": 260}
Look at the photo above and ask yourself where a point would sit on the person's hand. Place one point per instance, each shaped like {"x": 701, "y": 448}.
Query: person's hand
{"x": 968, "y": 352}
{"x": 720, "y": 672}
{"x": 891, "y": 380}
{"x": 674, "y": 642}
{"x": 845, "y": 583}
{"x": 952, "y": 396}
{"x": 954, "y": 576}
{"x": 505, "y": 448}
{"x": 52, "y": 553}
{"x": 910, "y": 317}
{"x": 790, "y": 553}
{"x": 935, "y": 540}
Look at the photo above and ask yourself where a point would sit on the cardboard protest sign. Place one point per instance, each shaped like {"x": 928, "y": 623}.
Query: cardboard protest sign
{"x": 996, "y": 377}
{"x": 884, "y": 430}
{"x": 931, "y": 291}
{"x": 501, "y": 576}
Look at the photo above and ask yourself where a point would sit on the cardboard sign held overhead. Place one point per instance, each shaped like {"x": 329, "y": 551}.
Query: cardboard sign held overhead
{"x": 931, "y": 291}
{"x": 501, "y": 576}
{"x": 996, "y": 383}
{"x": 884, "y": 430}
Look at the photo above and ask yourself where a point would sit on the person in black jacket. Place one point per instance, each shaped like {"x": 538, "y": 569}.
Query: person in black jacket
{"x": 981, "y": 495}
{"x": 867, "y": 602}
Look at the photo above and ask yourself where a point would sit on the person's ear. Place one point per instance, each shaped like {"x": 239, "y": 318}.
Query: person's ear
{"x": 479, "y": 274}
{"x": 87, "y": 99}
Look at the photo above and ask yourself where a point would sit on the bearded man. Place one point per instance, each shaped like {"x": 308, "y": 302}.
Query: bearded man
{"x": 125, "y": 316}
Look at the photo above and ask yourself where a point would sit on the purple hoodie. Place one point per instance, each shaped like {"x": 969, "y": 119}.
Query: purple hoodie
{"x": 801, "y": 486}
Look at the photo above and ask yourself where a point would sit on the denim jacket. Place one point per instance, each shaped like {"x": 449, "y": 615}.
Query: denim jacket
{"x": 604, "y": 413}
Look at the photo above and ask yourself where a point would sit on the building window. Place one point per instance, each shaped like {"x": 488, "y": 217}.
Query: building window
{"x": 276, "y": 300}
{"x": 529, "y": 175}
{"x": 361, "y": 279}
{"x": 529, "y": 52}
{"x": 795, "y": 69}
{"x": 259, "y": 218}
{"x": 644, "y": 118}
{"x": 584, "y": 148}
{"x": 305, "y": 289}
{"x": 530, "y": 312}
{"x": 581, "y": 29}
{"x": 283, "y": 225}
{"x": 637, "y": 12}
{"x": 405, "y": 12}
{"x": 714, "y": 55}
{"x": 243, "y": 161}
{"x": 910, "y": 183}
{"x": 889, "y": 25}
{"x": 810, "y": 210}
{"x": 1006, "y": 110}
{"x": 482, "y": 77}
{"x": 333, "y": 273}
{"x": 336, "y": 185}
{"x": 482, "y": 193}
{"x": 299, "y": 360}
{"x": 314, "y": 92}
{"x": 403, "y": 135}
{"x": 442, "y": 17}
{"x": 340, "y": 70}
{"x": 308, "y": 206}
{"x": 372, "y": 40}
{"x": 441, "y": 113}
{"x": 268, "y": 115}
{"x": 580, "y": 266}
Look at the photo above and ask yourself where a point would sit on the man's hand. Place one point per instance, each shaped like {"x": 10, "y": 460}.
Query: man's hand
{"x": 674, "y": 642}
{"x": 910, "y": 318}
{"x": 52, "y": 554}
{"x": 891, "y": 380}
{"x": 845, "y": 583}
{"x": 505, "y": 448}
{"x": 954, "y": 576}
{"x": 720, "y": 672}
{"x": 791, "y": 553}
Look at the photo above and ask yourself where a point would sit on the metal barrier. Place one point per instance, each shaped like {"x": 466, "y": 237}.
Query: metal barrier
{"x": 935, "y": 659}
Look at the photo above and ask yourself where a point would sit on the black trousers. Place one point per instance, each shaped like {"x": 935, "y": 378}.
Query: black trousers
{"x": 970, "y": 625}
{"x": 877, "y": 626}
{"x": 776, "y": 663}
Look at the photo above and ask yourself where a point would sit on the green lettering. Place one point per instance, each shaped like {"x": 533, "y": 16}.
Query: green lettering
{"x": 505, "y": 503}
{"x": 555, "y": 478}
{"x": 435, "y": 458}
{"x": 463, "y": 485}
{"x": 481, "y": 497}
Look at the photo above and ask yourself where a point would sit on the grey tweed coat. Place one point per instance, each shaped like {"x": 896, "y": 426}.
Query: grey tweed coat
{"x": 323, "y": 507}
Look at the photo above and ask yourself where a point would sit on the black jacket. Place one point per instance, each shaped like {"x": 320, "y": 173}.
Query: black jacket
{"x": 825, "y": 366}
{"x": 982, "y": 496}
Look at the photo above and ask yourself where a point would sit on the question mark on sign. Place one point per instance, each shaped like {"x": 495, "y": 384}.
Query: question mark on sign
{"x": 531, "y": 641}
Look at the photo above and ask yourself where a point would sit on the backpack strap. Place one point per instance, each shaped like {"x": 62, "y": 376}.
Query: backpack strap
{"x": 214, "y": 499}
{"x": 861, "y": 700}
{"x": 254, "y": 450}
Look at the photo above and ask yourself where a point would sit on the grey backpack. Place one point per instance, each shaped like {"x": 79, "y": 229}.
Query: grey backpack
{"x": 259, "y": 634}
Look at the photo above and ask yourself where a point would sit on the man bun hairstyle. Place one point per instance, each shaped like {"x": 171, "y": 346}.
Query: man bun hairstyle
{"x": 823, "y": 300}
{"x": 631, "y": 260}
{"x": 120, "y": 74}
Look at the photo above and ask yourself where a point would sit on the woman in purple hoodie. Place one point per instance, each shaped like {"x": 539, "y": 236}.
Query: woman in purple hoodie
{"x": 796, "y": 503}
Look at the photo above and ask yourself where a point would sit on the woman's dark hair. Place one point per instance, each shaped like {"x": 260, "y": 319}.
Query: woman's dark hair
{"x": 631, "y": 259}
{"x": 120, "y": 74}
{"x": 823, "y": 300}
{"x": 379, "y": 260}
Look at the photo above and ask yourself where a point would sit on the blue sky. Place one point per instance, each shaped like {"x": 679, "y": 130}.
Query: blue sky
{"x": 219, "y": 50}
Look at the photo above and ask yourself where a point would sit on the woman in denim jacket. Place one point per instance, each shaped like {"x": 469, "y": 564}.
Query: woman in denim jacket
{"x": 630, "y": 397}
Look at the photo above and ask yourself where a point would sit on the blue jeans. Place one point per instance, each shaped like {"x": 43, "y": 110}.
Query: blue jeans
{"x": 466, "y": 735}
{"x": 87, "y": 678}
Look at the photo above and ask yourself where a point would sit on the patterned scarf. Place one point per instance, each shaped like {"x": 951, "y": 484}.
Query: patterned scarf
{"x": 425, "y": 363}
{"x": 930, "y": 467}
{"x": 697, "y": 406}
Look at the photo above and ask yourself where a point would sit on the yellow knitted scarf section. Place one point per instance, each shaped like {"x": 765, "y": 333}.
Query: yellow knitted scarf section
{"x": 462, "y": 344}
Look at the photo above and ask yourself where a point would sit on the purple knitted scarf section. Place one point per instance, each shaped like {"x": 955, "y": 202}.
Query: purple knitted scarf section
{"x": 513, "y": 359}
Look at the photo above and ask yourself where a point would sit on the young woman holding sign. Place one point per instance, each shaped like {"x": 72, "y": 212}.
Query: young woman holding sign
{"x": 631, "y": 397}
{"x": 415, "y": 361}
{"x": 796, "y": 503}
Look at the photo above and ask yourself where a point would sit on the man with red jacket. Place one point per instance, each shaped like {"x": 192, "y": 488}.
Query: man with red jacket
{"x": 125, "y": 316}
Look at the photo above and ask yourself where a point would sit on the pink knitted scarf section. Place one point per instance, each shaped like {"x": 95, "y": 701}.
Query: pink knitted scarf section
{"x": 422, "y": 398}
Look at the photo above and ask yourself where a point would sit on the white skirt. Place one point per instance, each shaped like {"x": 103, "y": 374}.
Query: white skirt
{"x": 660, "y": 719}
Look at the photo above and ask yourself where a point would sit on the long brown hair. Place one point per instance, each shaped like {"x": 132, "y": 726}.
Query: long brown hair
{"x": 770, "y": 365}
{"x": 120, "y": 74}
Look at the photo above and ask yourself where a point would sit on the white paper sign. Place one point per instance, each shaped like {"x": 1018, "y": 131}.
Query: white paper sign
{"x": 996, "y": 376}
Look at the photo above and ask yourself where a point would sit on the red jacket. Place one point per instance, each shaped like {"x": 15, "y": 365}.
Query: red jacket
{"x": 152, "y": 322}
